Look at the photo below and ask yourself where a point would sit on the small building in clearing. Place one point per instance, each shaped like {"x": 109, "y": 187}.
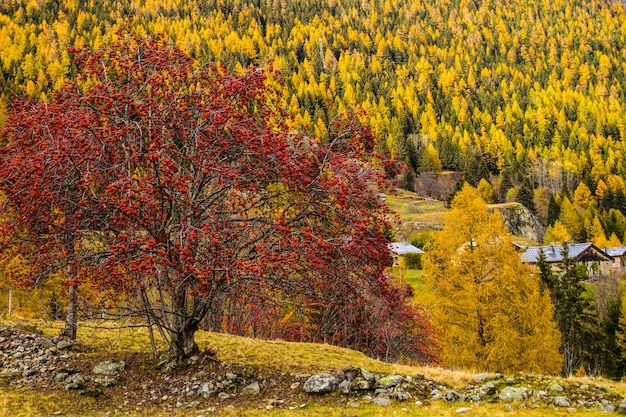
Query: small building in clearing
{"x": 402, "y": 248}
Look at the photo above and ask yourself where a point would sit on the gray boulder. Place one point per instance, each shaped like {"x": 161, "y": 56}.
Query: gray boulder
{"x": 345, "y": 387}
{"x": 383, "y": 402}
{"x": 561, "y": 401}
{"x": 75, "y": 381}
{"x": 453, "y": 397}
{"x": 109, "y": 367}
{"x": 106, "y": 381}
{"x": 400, "y": 395}
{"x": 361, "y": 384}
{"x": 389, "y": 381}
{"x": 251, "y": 389}
{"x": 321, "y": 384}
{"x": 367, "y": 375}
{"x": 509, "y": 394}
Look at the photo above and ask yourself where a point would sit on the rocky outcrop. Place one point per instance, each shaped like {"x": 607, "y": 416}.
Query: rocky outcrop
{"x": 523, "y": 390}
{"x": 520, "y": 221}
{"x": 28, "y": 358}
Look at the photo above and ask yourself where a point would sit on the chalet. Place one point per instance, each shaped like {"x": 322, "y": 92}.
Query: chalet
{"x": 597, "y": 261}
{"x": 402, "y": 248}
{"x": 618, "y": 254}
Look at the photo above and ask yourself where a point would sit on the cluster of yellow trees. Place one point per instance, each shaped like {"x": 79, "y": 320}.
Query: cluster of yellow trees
{"x": 489, "y": 305}
{"x": 497, "y": 313}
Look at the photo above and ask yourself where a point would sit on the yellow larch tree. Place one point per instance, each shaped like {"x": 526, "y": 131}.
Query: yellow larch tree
{"x": 557, "y": 233}
{"x": 488, "y": 304}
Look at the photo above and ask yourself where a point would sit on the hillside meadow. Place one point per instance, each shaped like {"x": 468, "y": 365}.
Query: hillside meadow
{"x": 99, "y": 343}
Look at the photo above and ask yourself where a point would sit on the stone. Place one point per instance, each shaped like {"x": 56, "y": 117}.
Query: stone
{"x": 462, "y": 410}
{"x": 489, "y": 388}
{"x": 321, "y": 384}
{"x": 109, "y": 367}
{"x": 205, "y": 390}
{"x": 453, "y": 397}
{"x": 621, "y": 408}
{"x": 361, "y": 384}
{"x": 419, "y": 376}
{"x": 232, "y": 378}
{"x": 605, "y": 406}
{"x": 61, "y": 376}
{"x": 251, "y": 389}
{"x": 367, "y": 375}
{"x": 106, "y": 381}
{"x": 555, "y": 388}
{"x": 223, "y": 396}
{"x": 390, "y": 381}
{"x": 400, "y": 395}
{"x": 383, "y": 402}
{"x": 509, "y": 394}
{"x": 435, "y": 395}
{"x": 75, "y": 381}
{"x": 561, "y": 401}
{"x": 345, "y": 387}
{"x": 64, "y": 344}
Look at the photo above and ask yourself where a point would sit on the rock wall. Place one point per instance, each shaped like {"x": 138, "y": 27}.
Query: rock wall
{"x": 520, "y": 221}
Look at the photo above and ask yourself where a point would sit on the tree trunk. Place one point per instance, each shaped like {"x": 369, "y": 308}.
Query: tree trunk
{"x": 71, "y": 318}
{"x": 182, "y": 343}
{"x": 184, "y": 325}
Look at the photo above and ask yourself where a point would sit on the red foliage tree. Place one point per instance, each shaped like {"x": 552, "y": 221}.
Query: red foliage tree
{"x": 182, "y": 187}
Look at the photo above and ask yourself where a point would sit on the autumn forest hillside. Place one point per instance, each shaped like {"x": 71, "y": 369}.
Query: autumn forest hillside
{"x": 242, "y": 199}
{"x": 527, "y": 95}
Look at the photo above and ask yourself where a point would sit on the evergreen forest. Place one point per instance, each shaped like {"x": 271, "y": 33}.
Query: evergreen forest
{"x": 524, "y": 101}
{"x": 526, "y": 95}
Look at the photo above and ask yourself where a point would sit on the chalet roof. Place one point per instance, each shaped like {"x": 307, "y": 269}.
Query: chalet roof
{"x": 581, "y": 252}
{"x": 402, "y": 248}
{"x": 616, "y": 251}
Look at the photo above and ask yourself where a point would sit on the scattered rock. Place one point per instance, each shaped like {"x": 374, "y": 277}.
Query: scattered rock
{"x": 75, "y": 381}
{"x": 389, "y": 381}
{"x": 561, "y": 401}
{"x": 400, "y": 395}
{"x": 436, "y": 395}
{"x": 361, "y": 384}
{"x": 109, "y": 367}
{"x": 321, "y": 384}
{"x": 64, "y": 344}
{"x": 106, "y": 381}
{"x": 555, "y": 388}
{"x": 383, "y": 402}
{"x": 453, "y": 397}
{"x": 367, "y": 375}
{"x": 462, "y": 410}
{"x": 251, "y": 389}
{"x": 509, "y": 394}
{"x": 345, "y": 387}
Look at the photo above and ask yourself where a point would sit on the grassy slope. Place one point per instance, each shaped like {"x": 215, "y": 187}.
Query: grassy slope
{"x": 412, "y": 208}
{"x": 283, "y": 356}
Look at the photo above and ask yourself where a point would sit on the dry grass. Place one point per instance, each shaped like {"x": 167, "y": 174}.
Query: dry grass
{"x": 284, "y": 356}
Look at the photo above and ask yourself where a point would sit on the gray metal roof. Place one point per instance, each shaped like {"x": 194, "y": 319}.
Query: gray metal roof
{"x": 402, "y": 248}
{"x": 554, "y": 253}
{"x": 616, "y": 251}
